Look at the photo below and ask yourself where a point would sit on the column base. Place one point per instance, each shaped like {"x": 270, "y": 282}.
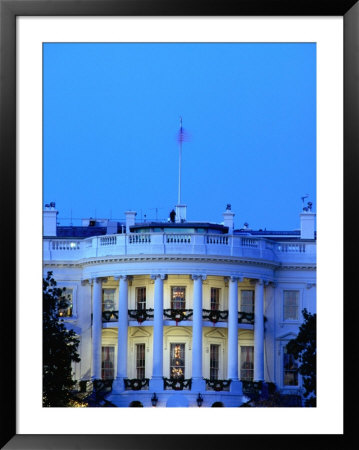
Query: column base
{"x": 198, "y": 384}
{"x": 236, "y": 387}
{"x": 118, "y": 385}
{"x": 156, "y": 384}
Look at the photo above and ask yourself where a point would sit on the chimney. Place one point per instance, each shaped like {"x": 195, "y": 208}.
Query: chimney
{"x": 307, "y": 223}
{"x": 50, "y": 220}
{"x": 181, "y": 213}
{"x": 228, "y": 217}
{"x": 111, "y": 227}
{"x": 130, "y": 219}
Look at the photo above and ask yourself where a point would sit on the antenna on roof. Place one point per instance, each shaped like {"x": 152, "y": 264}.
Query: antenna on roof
{"x": 180, "y": 209}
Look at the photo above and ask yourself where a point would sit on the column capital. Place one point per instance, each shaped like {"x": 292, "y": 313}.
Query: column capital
{"x": 162, "y": 276}
{"x": 97, "y": 280}
{"x": 236, "y": 278}
{"x": 122, "y": 277}
{"x": 258, "y": 281}
{"x": 197, "y": 276}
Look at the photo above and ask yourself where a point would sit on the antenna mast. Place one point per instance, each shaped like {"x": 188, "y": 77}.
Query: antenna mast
{"x": 180, "y": 140}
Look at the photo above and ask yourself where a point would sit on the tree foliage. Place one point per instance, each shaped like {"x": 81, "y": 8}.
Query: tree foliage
{"x": 304, "y": 349}
{"x": 59, "y": 348}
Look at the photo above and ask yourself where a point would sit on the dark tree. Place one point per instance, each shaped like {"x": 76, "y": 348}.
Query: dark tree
{"x": 304, "y": 349}
{"x": 59, "y": 348}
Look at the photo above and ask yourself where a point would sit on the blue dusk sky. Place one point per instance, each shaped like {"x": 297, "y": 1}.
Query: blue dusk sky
{"x": 111, "y": 117}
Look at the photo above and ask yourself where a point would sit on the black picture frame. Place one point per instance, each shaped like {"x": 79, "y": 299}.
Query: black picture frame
{"x": 9, "y": 10}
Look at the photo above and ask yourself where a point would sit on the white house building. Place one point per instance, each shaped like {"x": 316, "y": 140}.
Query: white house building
{"x": 182, "y": 313}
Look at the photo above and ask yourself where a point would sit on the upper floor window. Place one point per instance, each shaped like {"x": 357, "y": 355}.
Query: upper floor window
{"x": 178, "y": 297}
{"x": 290, "y": 369}
{"x": 214, "y": 299}
{"x": 108, "y": 300}
{"x": 141, "y": 298}
{"x": 66, "y": 303}
{"x": 290, "y": 305}
{"x": 214, "y": 362}
{"x": 247, "y": 301}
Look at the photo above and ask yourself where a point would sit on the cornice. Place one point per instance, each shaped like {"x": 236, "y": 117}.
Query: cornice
{"x": 162, "y": 258}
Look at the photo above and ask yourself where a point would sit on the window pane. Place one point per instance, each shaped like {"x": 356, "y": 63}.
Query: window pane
{"x": 214, "y": 362}
{"x": 290, "y": 305}
{"x": 177, "y": 361}
{"x": 247, "y": 363}
{"x": 108, "y": 300}
{"x": 141, "y": 298}
{"x": 108, "y": 359}
{"x": 65, "y": 303}
{"x": 290, "y": 372}
{"x": 178, "y": 297}
{"x": 247, "y": 301}
{"x": 214, "y": 299}
{"x": 140, "y": 361}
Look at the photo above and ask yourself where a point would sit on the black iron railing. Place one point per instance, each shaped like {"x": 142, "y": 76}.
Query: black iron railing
{"x": 136, "y": 384}
{"x": 178, "y": 314}
{"x": 177, "y": 384}
{"x": 214, "y": 316}
{"x": 217, "y": 385}
{"x": 140, "y": 314}
{"x": 245, "y": 317}
{"x": 109, "y": 316}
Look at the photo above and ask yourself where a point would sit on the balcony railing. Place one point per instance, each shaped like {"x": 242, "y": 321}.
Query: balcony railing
{"x": 177, "y": 384}
{"x": 178, "y": 314}
{"x": 140, "y": 314}
{"x": 214, "y": 316}
{"x": 136, "y": 384}
{"x": 217, "y": 385}
{"x": 110, "y": 316}
{"x": 179, "y": 243}
{"x": 245, "y": 317}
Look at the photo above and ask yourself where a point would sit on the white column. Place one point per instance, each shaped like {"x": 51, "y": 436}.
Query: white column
{"x": 122, "y": 334}
{"x": 236, "y": 385}
{"x": 259, "y": 332}
{"x": 96, "y": 328}
{"x": 156, "y": 382}
{"x": 198, "y": 382}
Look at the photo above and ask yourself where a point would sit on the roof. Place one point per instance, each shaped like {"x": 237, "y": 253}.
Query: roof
{"x": 80, "y": 232}
{"x": 207, "y": 225}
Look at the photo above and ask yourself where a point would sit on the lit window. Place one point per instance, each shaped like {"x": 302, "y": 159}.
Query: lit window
{"x": 141, "y": 298}
{"x": 66, "y": 303}
{"x": 214, "y": 362}
{"x": 108, "y": 300}
{"x": 290, "y": 369}
{"x": 247, "y": 301}
{"x": 178, "y": 297}
{"x": 290, "y": 305}
{"x": 214, "y": 299}
{"x": 247, "y": 363}
{"x": 177, "y": 362}
{"x": 108, "y": 363}
{"x": 140, "y": 361}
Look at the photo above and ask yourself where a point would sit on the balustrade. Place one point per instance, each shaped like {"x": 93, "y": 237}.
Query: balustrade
{"x": 141, "y": 314}
{"x": 136, "y": 384}
{"x": 178, "y": 314}
{"x": 110, "y": 316}
{"x": 177, "y": 384}
{"x": 139, "y": 238}
{"x": 65, "y": 245}
{"x": 178, "y": 238}
{"x": 214, "y": 315}
{"x": 217, "y": 385}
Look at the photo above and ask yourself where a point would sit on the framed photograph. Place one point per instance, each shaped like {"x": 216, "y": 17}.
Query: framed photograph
{"x": 127, "y": 127}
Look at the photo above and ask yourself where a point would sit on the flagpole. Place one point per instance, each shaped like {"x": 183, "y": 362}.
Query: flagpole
{"x": 180, "y": 162}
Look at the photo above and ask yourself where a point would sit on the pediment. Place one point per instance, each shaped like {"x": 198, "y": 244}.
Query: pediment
{"x": 140, "y": 332}
{"x": 217, "y": 333}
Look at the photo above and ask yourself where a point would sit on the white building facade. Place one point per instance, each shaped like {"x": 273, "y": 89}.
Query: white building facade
{"x": 183, "y": 313}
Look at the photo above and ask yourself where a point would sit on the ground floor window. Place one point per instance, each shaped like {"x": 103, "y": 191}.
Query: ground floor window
{"x": 108, "y": 363}
{"x": 177, "y": 361}
{"x": 214, "y": 362}
{"x": 290, "y": 369}
{"x": 247, "y": 362}
{"x": 140, "y": 361}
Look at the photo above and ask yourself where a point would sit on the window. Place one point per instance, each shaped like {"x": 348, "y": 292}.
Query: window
{"x": 140, "y": 361}
{"x": 214, "y": 362}
{"x": 290, "y": 305}
{"x": 247, "y": 363}
{"x": 108, "y": 363}
{"x": 247, "y": 301}
{"x": 178, "y": 297}
{"x": 290, "y": 369}
{"x": 141, "y": 298}
{"x": 108, "y": 300}
{"x": 214, "y": 299}
{"x": 66, "y": 303}
{"x": 177, "y": 362}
